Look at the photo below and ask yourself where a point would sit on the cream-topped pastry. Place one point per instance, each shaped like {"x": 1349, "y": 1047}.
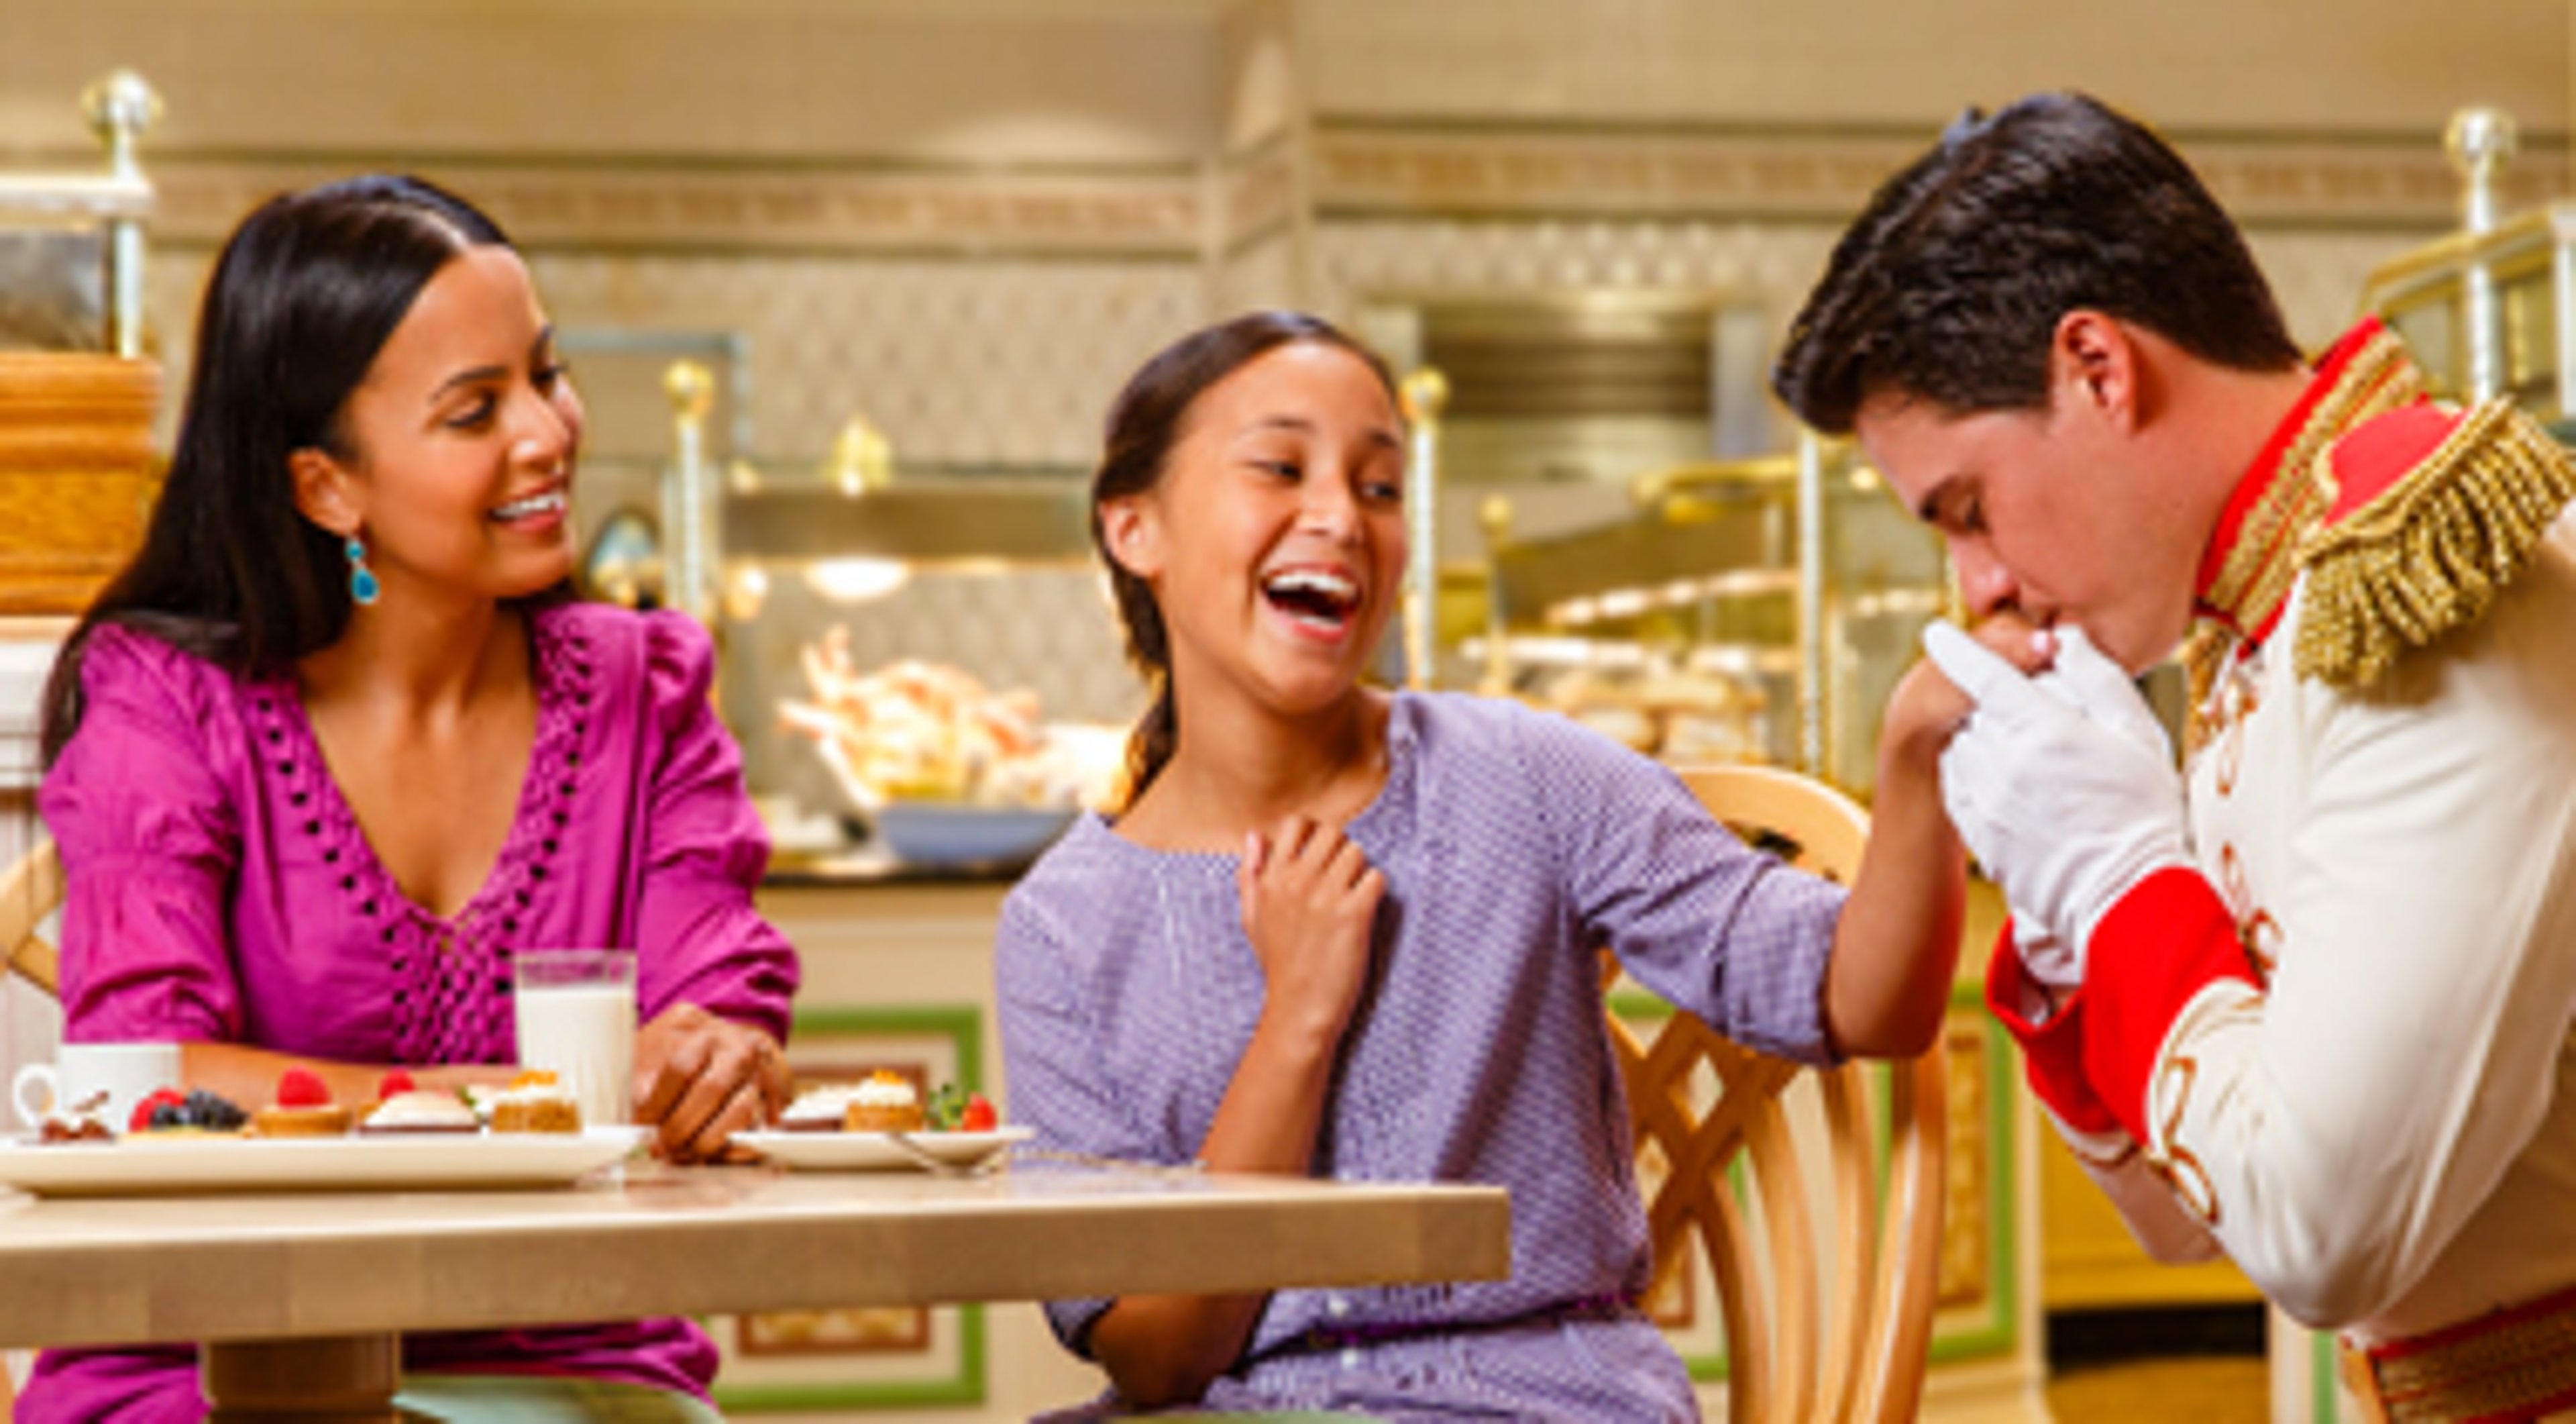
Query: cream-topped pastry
{"x": 421, "y": 1111}
{"x": 825, "y": 1108}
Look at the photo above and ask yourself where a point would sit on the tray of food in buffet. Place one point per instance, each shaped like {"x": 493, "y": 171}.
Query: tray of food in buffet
{"x": 943, "y": 772}
{"x": 527, "y": 1135}
{"x": 882, "y": 1124}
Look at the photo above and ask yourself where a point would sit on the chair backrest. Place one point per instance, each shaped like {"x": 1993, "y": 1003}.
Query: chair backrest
{"x": 1813, "y": 1331}
{"x": 29, "y": 891}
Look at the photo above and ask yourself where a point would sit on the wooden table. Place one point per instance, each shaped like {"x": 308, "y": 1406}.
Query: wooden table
{"x": 300, "y": 1300}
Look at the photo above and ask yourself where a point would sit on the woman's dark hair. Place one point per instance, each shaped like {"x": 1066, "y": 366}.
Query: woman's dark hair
{"x": 1147, "y": 420}
{"x": 307, "y": 290}
{"x": 1950, "y": 286}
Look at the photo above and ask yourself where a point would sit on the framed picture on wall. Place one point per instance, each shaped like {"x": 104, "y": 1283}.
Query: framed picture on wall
{"x": 863, "y": 1357}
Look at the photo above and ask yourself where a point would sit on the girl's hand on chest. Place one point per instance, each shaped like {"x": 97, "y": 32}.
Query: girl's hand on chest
{"x": 1310, "y": 900}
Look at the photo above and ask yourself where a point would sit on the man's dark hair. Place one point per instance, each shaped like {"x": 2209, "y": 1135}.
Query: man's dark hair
{"x": 1950, "y": 286}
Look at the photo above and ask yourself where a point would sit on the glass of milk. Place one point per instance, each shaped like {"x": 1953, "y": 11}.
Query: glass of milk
{"x": 577, "y": 1020}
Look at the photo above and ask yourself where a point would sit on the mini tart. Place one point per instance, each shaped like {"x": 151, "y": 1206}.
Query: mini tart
{"x": 536, "y": 1115}
{"x": 534, "y": 1103}
{"x": 882, "y": 1117}
{"x": 319, "y": 1120}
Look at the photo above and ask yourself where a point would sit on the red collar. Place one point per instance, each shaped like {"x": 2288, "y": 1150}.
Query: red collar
{"x": 2246, "y": 572}
{"x": 2265, "y": 472}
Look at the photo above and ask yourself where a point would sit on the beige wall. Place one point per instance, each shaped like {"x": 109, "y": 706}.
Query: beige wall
{"x": 2190, "y": 64}
{"x": 722, "y": 80}
{"x": 969, "y": 218}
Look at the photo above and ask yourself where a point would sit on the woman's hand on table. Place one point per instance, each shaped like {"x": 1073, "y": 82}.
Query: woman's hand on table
{"x": 699, "y": 1079}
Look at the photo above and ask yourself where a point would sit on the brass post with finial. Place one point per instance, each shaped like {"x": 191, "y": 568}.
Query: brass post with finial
{"x": 687, "y": 512}
{"x": 1425, "y": 393}
{"x": 2479, "y": 141}
{"x": 119, "y": 108}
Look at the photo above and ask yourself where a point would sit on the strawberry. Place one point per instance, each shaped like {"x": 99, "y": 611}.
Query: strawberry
{"x": 978, "y": 1116}
{"x": 396, "y": 1081}
{"x": 302, "y": 1088}
{"x": 161, "y": 1097}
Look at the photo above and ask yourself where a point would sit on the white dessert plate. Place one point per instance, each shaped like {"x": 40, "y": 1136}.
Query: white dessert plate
{"x": 881, "y": 1151}
{"x": 424, "y": 1161}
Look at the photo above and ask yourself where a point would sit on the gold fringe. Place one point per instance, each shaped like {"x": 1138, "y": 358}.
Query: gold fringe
{"x": 2262, "y": 564}
{"x": 2431, "y": 553}
{"x": 2258, "y": 572}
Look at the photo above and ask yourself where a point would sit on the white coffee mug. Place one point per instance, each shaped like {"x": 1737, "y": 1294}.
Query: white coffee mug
{"x": 126, "y": 1072}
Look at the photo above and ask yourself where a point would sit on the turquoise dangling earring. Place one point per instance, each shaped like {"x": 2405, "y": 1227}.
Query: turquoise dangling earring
{"x": 362, "y": 580}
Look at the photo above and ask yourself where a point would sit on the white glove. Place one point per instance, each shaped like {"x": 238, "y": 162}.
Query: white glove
{"x": 2082, "y": 678}
{"x": 2063, "y": 787}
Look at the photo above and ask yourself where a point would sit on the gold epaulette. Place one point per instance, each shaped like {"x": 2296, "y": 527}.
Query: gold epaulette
{"x": 2431, "y": 552}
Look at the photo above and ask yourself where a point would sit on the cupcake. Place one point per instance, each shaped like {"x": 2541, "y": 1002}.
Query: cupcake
{"x": 884, "y": 1103}
{"x": 535, "y": 1102}
{"x": 303, "y": 1109}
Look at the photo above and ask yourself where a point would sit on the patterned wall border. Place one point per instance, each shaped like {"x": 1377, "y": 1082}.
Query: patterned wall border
{"x": 1458, "y": 169}
{"x": 895, "y": 209}
{"x": 1375, "y": 167}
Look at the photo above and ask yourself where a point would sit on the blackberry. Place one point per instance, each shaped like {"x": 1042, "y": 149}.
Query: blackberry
{"x": 209, "y": 1109}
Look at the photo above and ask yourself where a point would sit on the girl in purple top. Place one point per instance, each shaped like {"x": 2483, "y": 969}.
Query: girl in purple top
{"x": 1346, "y": 933}
{"x": 337, "y": 742}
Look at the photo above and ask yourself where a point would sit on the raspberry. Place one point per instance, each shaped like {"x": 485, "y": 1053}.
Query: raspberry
{"x": 143, "y": 1111}
{"x": 396, "y": 1081}
{"x": 302, "y": 1088}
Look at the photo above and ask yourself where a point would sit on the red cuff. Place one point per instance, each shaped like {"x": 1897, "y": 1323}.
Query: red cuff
{"x": 2166, "y": 940}
{"x": 2053, "y": 1052}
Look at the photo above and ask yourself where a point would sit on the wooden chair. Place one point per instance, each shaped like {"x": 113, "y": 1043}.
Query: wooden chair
{"x": 1817, "y": 1328}
{"x": 29, "y": 891}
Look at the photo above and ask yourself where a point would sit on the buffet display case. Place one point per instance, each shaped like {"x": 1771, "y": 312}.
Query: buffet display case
{"x": 2490, "y": 309}
{"x": 921, "y": 662}
{"x": 77, "y": 398}
{"x": 1744, "y": 610}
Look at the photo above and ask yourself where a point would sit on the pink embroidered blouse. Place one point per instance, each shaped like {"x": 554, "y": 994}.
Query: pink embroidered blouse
{"x": 221, "y": 890}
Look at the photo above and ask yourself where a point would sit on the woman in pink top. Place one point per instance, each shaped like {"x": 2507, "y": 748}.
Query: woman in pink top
{"x": 338, "y": 742}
